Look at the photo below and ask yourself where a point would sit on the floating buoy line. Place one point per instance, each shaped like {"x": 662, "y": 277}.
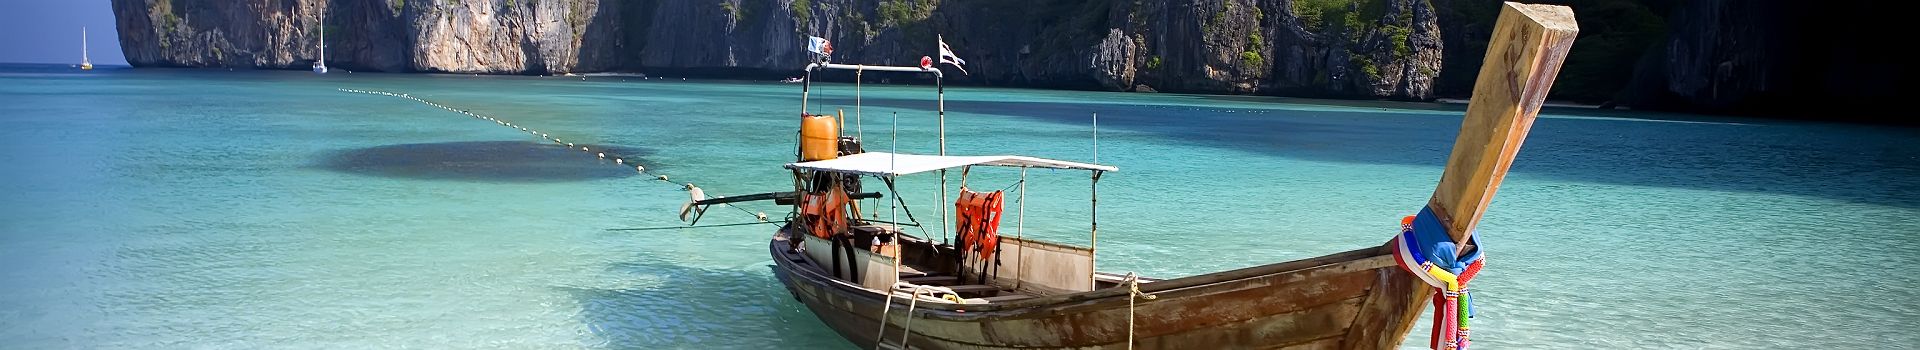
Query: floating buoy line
{"x": 618, "y": 160}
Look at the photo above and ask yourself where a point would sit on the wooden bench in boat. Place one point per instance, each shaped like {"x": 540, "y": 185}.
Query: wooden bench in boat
{"x": 964, "y": 288}
{"x": 975, "y": 288}
{"x": 1003, "y": 298}
{"x": 930, "y": 280}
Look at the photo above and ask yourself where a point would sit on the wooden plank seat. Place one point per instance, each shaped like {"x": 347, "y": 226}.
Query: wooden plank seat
{"x": 975, "y": 288}
{"x": 963, "y": 289}
{"x": 1003, "y": 298}
{"x": 931, "y": 280}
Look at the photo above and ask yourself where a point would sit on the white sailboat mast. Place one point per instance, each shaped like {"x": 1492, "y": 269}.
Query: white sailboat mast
{"x": 323, "y": 35}
{"x": 83, "y": 47}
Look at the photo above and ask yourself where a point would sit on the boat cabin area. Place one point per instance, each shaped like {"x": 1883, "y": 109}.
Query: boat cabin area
{"x": 980, "y": 266}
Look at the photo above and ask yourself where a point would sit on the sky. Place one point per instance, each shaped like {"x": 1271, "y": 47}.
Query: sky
{"x": 48, "y": 31}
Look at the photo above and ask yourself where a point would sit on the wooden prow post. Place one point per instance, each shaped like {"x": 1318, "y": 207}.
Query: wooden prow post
{"x": 1529, "y": 43}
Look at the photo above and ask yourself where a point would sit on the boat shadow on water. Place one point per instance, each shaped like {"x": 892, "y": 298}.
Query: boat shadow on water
{"x": 676, "y": 306}
{"x": 1873, "y": 165}
{"x": 486, "y": 161}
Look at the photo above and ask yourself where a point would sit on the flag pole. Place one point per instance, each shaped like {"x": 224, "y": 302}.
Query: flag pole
{"x": 939, "y": 81}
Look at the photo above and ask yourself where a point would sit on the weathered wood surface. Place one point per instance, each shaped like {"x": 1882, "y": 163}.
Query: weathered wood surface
{"x": 1391, "y": 310}
{"x": 1528, "y": 45}
{"x": 1306, "y": 304}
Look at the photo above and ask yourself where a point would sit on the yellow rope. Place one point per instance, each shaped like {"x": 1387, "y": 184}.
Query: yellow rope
{"x": 1133, "y": 286}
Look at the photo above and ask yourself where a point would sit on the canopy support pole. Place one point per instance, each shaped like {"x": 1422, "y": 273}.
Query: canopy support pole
{"x": 1020, "y": 230}
{"x": 940, "y": 83}
{"x": 1093, "y": 236}
{"x": 860, "y": 129}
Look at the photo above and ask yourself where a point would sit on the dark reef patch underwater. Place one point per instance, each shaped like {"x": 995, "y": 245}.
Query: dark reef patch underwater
{"x": 486, "y": 161}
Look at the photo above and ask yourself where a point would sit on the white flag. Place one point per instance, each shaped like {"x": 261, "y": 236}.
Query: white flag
{"x": 946, "y": 56}
{"x": 819, "y": 45}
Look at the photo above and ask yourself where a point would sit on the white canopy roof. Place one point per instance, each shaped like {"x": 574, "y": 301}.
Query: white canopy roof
{"x": 890, "y": 164}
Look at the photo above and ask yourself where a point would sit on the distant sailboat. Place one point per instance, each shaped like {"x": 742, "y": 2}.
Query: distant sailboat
{"x": 320, "y": 65}
{"x": 85, "y": 63}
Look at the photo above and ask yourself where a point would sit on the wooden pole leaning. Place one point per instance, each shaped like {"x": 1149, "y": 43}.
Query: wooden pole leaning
{"x": 1528, "y": 46}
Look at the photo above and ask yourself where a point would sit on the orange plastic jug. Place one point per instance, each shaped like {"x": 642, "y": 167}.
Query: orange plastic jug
{"x": 819, "y": 137}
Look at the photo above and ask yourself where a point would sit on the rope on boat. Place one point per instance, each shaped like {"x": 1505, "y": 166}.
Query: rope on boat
{"x": 761, "y": 217}
{"x": 1133, "y": 292}
{"x": 913, "y": 301}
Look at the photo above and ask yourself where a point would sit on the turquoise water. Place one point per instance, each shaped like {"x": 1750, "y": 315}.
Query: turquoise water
{"x": 214, "y": 209}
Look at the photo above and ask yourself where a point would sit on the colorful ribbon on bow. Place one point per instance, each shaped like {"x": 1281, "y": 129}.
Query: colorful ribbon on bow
{"x": 1424, "y": 249}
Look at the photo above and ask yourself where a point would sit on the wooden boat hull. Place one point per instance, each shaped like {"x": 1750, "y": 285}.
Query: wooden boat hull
{"x": 1352, "y": 300}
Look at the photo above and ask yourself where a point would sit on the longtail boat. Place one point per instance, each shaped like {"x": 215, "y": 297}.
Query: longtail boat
{"x": 883, "y": 288}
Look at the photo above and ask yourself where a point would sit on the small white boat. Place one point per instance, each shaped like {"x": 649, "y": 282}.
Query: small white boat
{"x": 85, "y": 63}
{"x": 793, "y": 80}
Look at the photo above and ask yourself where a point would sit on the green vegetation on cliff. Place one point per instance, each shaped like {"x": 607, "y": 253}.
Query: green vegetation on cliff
{"x": 802, "y": 12}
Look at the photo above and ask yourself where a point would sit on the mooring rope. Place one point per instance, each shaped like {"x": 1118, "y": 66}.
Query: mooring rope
{"x": 1133, "y": 292}
{"x": 617, "y": 159}
{"x": 913, "y": 301}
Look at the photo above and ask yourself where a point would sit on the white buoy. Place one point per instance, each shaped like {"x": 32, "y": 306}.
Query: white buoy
{"x": 639, "y": 168}
{"x": 619, "y": 161}
{"x": 663, "y": 178}
{"x": 584, "y": 149}
{"x": 761, "y": 215}
{"x": 602, "y": 154}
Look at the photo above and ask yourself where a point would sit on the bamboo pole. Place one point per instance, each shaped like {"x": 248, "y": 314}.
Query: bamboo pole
{"x": 1528, "y": 46}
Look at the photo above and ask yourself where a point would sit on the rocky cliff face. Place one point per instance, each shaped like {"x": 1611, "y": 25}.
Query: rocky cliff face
{"x": 532, "y": 36}
{"x": 251, "y": 33}
{"x": 1368, "y": 48}
{"x": 1775, "y": 57}
{"x": 1757, "y": 56}
{"x": 502, "y": 36}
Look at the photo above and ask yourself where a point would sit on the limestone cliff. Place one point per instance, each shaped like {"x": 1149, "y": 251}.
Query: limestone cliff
{"x": 503, "y": 36}
{"x": 1776, "y": 57}
{"x": 1368, "y": 48}
{"x": 250, "y": 33}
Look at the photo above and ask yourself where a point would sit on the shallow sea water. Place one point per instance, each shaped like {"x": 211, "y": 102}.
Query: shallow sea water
{"x": 211, "y": 209}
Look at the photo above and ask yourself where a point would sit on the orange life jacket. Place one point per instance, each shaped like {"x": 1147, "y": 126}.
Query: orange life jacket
{"x": 826, "y": 212}
{"x": 978, "y": 222}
